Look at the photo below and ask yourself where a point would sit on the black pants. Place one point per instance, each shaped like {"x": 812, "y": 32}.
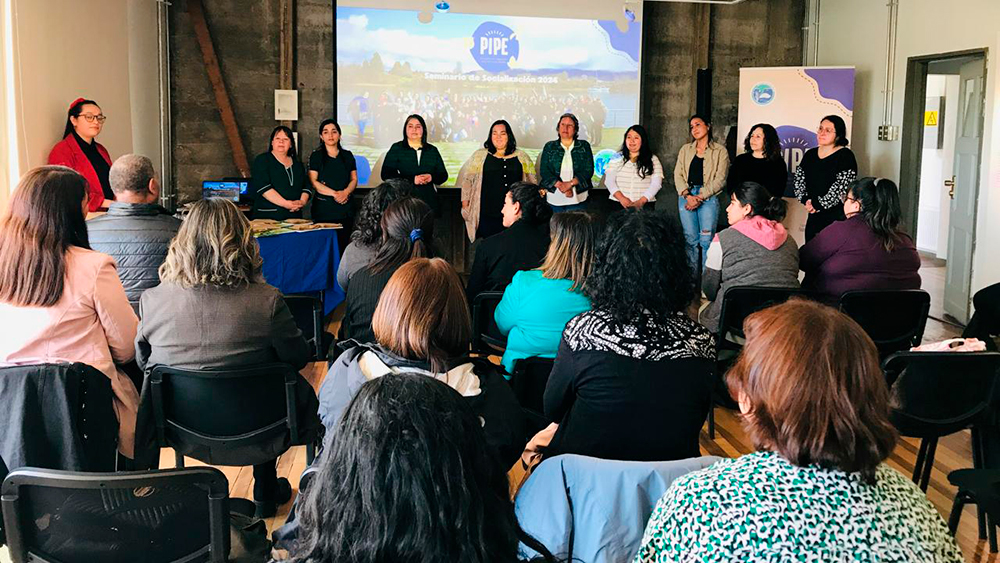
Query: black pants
{"x": 820, "y": 220}
{"x": 265, "y": 481}
{"x": 985, "y": 321}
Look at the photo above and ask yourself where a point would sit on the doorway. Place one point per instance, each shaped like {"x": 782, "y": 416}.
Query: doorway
{"x": 940, "y": 173}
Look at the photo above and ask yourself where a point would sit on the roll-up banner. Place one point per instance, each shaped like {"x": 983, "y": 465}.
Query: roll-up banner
{"x": 794, "y": 99}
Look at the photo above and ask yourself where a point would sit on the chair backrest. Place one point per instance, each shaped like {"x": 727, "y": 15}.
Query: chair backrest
{"x": 893, "y": 318}
{"x": 156, "y": 516}
{"x": 57, "y": 416}
{"x": 938, "y": 393}
{"x": 595, "y": 510}
{"x": 239, "y": 416}
{"x": 307, "y": 310}
{"x": 740, "y": 302}
{"x": 529, "y": 379}
{"x": 486, "y": 337}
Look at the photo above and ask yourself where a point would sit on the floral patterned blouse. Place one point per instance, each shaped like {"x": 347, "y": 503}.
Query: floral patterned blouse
{"x": 760, "y": 507}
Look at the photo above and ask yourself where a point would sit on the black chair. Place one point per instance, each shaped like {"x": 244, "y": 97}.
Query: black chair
{"x": 3, "y": 475}
{"x": 935, "y": 394}
{"x": 237, "y": 417}
{"x": 738, "y": 303}
{"x": 486, "y": 337}
{"x": 172, "y": 516}
{"x": 982, "y": 488}
{"x": 894, "y": 318}
{"x": 307, "y": 310}
{"x": 529, "y": 379}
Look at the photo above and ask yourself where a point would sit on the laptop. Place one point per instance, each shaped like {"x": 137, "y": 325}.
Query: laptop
{"x": 233, "y": 189}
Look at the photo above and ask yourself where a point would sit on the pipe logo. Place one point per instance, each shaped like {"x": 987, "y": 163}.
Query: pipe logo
{"x": 494, "y": 47}
{"x": 762, "y": 94}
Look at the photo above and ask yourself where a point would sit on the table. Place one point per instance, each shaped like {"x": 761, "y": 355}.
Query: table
{"x": 304, "y": 262}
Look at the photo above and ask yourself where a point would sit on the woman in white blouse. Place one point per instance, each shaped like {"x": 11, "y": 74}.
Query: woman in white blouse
{"x": 634, "y": 179}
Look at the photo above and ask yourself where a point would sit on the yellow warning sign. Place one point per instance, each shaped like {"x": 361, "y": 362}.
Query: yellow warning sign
{"x": 930, "y": 119}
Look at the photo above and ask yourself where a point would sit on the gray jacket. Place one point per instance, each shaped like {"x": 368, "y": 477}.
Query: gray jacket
{"x": 137, "y": 236}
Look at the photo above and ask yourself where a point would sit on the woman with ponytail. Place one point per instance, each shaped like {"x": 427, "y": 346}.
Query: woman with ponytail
{"x": 520, "y": 246}
{"x": 755, "y": 250}
{"x": 865, "y": 251}
{"x": 421, "y": 326}
{"x": 407, "y": 230}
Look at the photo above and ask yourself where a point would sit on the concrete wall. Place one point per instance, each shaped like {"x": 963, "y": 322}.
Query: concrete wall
{"x": 64, "y": 49}
{"x": 757, "y": 33}
{"x": 853, "y": 32}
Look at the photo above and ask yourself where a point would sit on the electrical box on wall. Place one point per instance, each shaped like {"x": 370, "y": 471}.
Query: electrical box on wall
{"x": 888, "y": 133}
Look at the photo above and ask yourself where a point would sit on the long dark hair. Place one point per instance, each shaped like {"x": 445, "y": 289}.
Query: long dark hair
{"x": 407, "y": 232}
{"x": 74, "y": 111}
{"x": 511, "y": 141}
{"x": 534, "y": 209}
{"x": 410, "y": 478}
{"x": 368, "y": 228}
{"x": 640, "y": 266}
{"x": 44, "y": 218}
{"x": 839, "y": 127}
{"x": 707, "y": 123}
{"x": 645, "y": 160}
{"x": 772, "y": 144}
{"x": 322, "y": 126}
{"x": 423, "y": 126}
{"x": 879, "y": 200}
{"x": 291, "y": 139}
{"x": 760, "y": 201}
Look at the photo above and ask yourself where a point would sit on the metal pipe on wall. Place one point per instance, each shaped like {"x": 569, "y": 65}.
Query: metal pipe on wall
{"x": 168, "y": 192}
{"x": 887, "y": 131}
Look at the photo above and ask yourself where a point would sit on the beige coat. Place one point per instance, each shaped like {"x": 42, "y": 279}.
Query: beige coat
{"x": 92, "y": 323}
{"x": 470, "y": 179}
{"x": 715, "y": 171}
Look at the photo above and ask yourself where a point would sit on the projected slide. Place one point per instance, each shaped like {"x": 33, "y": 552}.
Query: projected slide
{"x": 463, "y": 71}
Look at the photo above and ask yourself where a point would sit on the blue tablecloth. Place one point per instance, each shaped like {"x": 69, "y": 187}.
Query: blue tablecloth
{"x": 304, "y": 262}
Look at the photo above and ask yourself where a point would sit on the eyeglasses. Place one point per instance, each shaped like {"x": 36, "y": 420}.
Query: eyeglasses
{"x": 101, "y": 118}
{"x": 826, "y": 130}
{"x": 847, "y": 198}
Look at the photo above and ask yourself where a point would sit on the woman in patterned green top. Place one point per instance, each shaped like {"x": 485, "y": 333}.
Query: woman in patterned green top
{"x": 817, "y": 489}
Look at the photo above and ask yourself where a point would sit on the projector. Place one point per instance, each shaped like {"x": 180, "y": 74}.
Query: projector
{"x": 442, "y": 6}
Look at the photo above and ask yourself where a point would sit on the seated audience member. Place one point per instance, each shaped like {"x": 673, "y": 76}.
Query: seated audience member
{"x": 520, "y": 246}
{"x": 367, "y": 235}
{"x": 633, "y": 376}
{"x": 754, "y": 251}
{"x": 985, "y": 322}
{"x": 213, "y": 310}
{"x": 537, "y": 305}
{"x": 865, "y": 251}
{"x": 410, "y": 478}
{"x": 816, "y": 406}
{"x": 60, "y": 301}
{"x": 135, "y": 231}
{"x": 422, "y": 326}
{"x": 407, "y": 232}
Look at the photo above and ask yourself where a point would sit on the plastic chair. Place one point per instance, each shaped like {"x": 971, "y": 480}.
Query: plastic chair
{"x": 529, "y": 379}
{"x": 595, "y": 510}
{"x": 307, "y": 310}
{"x": 236, "y": 417}
{"x": 894, "y": 318}
{"x": 738, "y": 303}
{"x": 486, "y": 337}
{"x": 170, "y": 516}
{"x": 982, "y": 488}
{"x": 939, "y": 393}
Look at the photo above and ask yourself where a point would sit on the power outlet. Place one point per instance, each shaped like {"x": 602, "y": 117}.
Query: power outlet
{"x": 888, "y": 133}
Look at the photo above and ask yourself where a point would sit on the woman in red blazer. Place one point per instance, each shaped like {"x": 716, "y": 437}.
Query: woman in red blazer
{"x": 80, "y": 150}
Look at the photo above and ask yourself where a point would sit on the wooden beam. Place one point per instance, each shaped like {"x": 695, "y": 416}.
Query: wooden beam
{"x": 197, "y": 13}
{"x": 286, "y": 56}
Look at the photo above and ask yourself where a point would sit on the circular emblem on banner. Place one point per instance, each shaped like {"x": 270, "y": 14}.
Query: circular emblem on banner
{"x": 495, "y": 47}
{"x": 601, "y": 161}
{"x": 762, "y": 94}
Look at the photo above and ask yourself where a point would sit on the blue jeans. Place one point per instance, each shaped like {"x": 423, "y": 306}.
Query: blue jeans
{"x": 582, "y": 206}
{"x": 699, "y": 227}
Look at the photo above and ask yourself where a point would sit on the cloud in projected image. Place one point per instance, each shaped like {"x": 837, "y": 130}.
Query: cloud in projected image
{"x": 443, "y": 45}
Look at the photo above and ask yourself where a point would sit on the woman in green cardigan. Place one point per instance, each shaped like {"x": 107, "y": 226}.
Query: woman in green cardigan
{"x": 280, "y": 190}
{"x": 416, "y": 160}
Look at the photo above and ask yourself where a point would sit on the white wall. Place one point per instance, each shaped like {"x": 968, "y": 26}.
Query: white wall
{"x": 936, "y": 167}
{"x": 853, "y": 32}
{"x": 97, "y": 49}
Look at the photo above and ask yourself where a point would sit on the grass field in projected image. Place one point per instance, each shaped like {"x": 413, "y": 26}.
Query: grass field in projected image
{"x": 455, "y": 154}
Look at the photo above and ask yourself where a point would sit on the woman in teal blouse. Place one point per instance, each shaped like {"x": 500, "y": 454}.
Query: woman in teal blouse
{"x": 418, "y": 161}
{"x": 278, "y": 179}
{"x": 538, "y": 303}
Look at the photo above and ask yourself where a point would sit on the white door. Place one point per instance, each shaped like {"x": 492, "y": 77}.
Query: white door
{"x": 964, "y": 191}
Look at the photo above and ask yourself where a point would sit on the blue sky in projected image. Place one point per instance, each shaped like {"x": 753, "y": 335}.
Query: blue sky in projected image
{"x": 545, "y": 43}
